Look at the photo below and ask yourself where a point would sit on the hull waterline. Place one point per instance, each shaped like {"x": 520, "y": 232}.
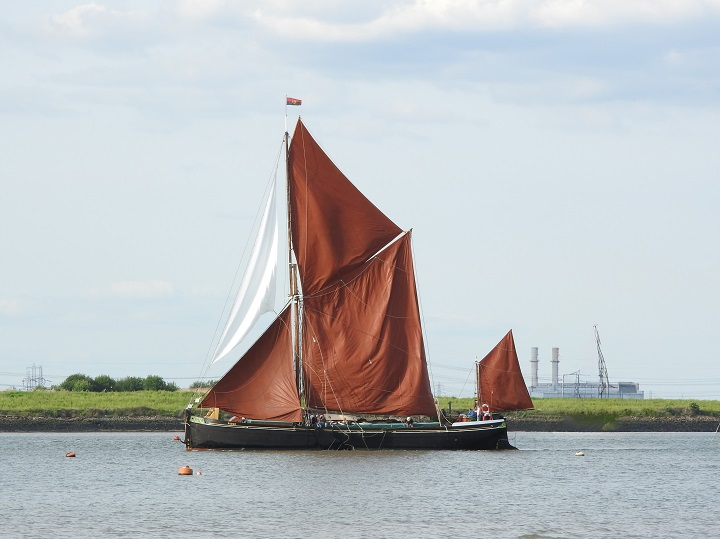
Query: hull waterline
{"x": 202, "y": 434}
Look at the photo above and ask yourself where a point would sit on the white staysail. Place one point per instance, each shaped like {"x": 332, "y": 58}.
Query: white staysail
{"x": 257, "y": 290}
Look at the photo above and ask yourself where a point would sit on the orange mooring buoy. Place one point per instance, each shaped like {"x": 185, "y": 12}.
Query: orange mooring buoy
{"x": 176, "y": 437}
{"x": 71, "y": 454}
{"x": 185, "y": 470}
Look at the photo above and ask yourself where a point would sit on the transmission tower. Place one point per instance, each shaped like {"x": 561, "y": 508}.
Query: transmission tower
{"x": 604, "y": 386}
{"x": 34, "y": 378}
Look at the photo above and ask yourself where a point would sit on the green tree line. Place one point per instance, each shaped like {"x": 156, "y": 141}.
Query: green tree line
{"x": 104, "y": 383}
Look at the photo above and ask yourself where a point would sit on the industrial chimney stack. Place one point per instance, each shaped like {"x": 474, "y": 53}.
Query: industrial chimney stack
{"x": 555, "y": 361}
{"x": 534, "y": 366}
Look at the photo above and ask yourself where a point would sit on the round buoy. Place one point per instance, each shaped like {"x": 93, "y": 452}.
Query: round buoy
{"x": 176, "y": 437}
{"x": 199, "y": 472}
{"x": 185, "y": 470}
{"x": 71, "y": 454}
{"x": 579, "y": 454}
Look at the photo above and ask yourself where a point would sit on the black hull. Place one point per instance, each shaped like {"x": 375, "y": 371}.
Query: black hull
{"x": 201, "y": 434}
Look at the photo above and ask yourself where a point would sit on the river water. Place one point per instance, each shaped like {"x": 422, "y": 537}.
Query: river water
{"x": 127, "y": 485}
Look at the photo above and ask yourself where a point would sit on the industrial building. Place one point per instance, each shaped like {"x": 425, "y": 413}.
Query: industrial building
{"x": 572, "y": 386}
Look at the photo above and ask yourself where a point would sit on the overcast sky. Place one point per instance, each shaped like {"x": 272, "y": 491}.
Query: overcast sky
{"x": 557, "y": 161}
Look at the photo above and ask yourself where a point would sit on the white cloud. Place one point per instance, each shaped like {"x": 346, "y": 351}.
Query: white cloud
{"x": 401, "y": 18}
{"x": 587, "y": 13}
{"x": 92, "y": 21}
{"x": 142, "y": 289}
{"x": 674, "y": 58}
{"x": 562, "y": 89}
{"x": 14, "y": 307}
{"x": 322, "y": 21}
{"x": 202, "y": 9}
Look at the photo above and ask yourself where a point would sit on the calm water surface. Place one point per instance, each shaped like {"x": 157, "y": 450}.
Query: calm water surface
{"x": 126, "y": 485}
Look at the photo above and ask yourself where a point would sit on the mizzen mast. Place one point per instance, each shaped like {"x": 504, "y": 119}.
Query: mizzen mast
{"x": 293, "y": 275}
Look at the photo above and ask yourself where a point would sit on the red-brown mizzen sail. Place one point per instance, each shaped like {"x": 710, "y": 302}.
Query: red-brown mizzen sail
{"x": 500, "y": 382}
{"x": 262, "y": 384}
{"x": 335, "y": 228}
{"x": 363, "y": 347}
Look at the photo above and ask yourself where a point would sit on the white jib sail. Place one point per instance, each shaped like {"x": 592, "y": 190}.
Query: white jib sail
{"x": 256, "y": 295}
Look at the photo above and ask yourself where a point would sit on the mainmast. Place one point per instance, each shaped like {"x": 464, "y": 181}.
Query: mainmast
{"x": 292, "y": 273}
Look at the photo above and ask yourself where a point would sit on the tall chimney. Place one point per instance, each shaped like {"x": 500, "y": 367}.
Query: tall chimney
{"x": 555, "y": 361}
{"x": 533, "y": 366}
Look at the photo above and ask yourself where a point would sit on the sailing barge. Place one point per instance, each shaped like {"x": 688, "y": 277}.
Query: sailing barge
{"x": 343, "y": 365}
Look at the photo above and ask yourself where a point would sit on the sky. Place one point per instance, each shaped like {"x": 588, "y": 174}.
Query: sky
{"x": 556, "y": 159}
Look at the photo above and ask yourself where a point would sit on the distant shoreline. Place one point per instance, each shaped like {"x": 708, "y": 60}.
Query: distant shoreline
{"x": 18, "y": 424}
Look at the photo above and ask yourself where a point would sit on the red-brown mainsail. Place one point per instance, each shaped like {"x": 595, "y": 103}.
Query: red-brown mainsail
{"x": 363, "y": 348}
{"x": 363, "y": 342}
{"x": 335, "y": 228}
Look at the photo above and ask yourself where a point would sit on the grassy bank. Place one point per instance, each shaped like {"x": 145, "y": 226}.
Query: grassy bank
{"x": 609, "y": 414}
{"x": 64, "y": 404}
{"x": 656, "y": 408}
{"x": 172, "y": 403}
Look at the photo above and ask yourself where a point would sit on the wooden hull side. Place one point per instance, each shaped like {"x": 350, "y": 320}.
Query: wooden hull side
{"x": 217, "y": 435}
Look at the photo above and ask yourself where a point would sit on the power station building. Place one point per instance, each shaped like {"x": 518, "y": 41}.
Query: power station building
{"x": 572, "y": 386}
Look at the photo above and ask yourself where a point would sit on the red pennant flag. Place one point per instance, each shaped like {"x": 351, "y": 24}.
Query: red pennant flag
{"x": 293, "y": 101}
